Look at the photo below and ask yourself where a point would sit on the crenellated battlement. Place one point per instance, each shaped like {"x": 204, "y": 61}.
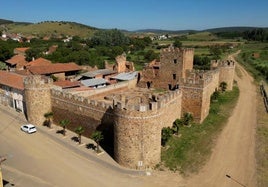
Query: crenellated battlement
{"x": 78, "y": 100}
{"x": 222, "y": 63}
{"x": 154, "y": 103}
{"x": 37, "y": 81}
{"x": 198, "y": 78}
{"x": 172, "y": 49}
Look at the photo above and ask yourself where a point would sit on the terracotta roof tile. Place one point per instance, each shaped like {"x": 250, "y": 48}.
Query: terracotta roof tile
{"x": 22, "y": 49}
{"x": 54, "y": 68}
{"x": 11, "y": 79}
{"x": 17, "y": 60}
{"x": 39, "y": 62}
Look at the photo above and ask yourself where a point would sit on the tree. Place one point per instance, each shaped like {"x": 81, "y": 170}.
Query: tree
{"x": 177, "y": 43}
{"x": 150, "y": 55}
{"x": 111, "y": 37}
{"x": 5, "y": 53}
{"x": 97, "y": 137}
{"x": 223, "y": 86}
{"x": 215, "y": 51}
{"x": 187, "y": 118}
{"x": 32, "y": 53}
{"x": 202, "y": 63}
{"x": 48, "y": 116}
{"x": 176, "y": 125}
{"x": 215, "y": 96}
{"x": 64, "y": 123}
{"x": 79, "y": 131}
{"x": 3, "y": 66}
{"x": 166, "y": 135}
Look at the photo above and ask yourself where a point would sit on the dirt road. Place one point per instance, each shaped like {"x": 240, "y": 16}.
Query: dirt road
{"x": 233, "y": 154}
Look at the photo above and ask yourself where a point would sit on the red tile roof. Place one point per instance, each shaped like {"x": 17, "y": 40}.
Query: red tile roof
{"x": 22, "y": 49}
{"x": 17, "y": 60}
{"x": 11, "y": 79}
{"x": 54, "y": 68}
{"x": 67, "y": 84}
{"x": 39, "y": 62}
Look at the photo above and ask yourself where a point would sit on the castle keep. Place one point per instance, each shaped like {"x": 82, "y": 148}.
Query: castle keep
{"x": 134, "y": 112}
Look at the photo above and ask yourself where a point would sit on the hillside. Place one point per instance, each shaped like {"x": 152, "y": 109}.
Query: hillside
{"x": 212, "y": 30}
{"x": 49, "y": 28}
{"x": 4, "y": 21}
{"x": 58, "y": 28}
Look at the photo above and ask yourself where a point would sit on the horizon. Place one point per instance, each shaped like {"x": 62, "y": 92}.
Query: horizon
{"x": 139, "y": 15}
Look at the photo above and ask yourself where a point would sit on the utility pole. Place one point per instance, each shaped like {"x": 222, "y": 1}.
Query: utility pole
{"x": 2, "y": 159}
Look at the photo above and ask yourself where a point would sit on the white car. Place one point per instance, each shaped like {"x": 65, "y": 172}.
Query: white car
{"x": 29, "y": 128}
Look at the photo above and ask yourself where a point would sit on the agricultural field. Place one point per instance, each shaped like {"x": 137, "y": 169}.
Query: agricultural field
{"x": 254, "y": 56}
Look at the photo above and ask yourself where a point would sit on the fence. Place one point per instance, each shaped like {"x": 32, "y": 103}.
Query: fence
{"x": 265, "y": 98}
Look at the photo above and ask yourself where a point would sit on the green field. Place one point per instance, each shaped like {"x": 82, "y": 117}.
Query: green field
{"x": 254, "y": 57}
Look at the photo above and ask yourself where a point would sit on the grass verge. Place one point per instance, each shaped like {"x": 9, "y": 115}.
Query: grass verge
{"x": 261, "y": 150}
{"x": 189, "y": 151}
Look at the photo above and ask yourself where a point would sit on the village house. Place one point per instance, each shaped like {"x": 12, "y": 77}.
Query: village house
{"x": 17, "y": 62}
{"x": 12, "y": 90}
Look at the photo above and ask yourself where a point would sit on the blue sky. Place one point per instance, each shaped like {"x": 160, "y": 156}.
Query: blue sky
{"x": 141, "y": 14}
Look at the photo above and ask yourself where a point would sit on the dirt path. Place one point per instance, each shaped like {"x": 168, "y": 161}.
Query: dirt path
{"x": 234, "y": 154}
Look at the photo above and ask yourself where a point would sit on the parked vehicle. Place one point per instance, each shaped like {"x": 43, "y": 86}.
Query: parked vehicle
{"x": 29, "y": 128}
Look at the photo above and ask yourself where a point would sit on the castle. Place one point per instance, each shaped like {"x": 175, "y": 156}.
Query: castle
{"x": 134, "y": 112}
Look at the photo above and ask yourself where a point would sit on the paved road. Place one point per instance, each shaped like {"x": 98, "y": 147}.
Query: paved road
{"x": 40, "y": 160}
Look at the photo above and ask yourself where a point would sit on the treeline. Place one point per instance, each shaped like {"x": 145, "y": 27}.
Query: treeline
{"x": 256, "y": 35}
{"x": 250, "y": 35}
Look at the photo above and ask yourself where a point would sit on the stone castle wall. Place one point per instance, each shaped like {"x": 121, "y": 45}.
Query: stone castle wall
{"x": 196, "y": 92}
{"x": 80, "y": 110}
{"x": 188, "y": 58}
{"x": 37, "y": 98}
{"x": 137, "y": 126}
{"x": 137, "y": 134}
{"x": 227, "y": 71}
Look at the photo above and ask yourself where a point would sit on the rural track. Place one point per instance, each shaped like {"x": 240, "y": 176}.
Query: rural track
{"x": 232, "y": 162}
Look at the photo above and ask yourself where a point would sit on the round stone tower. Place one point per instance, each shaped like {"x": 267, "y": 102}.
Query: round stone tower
{"x": 37, "y": 98}
{"x": 137, "y": 138}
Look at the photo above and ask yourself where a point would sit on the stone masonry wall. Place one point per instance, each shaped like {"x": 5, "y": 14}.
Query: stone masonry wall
{"x": 137, "y": 134}
{"x": 80, "y": 110}
{"x": 188, "y": 59}
{"x": 137, "y": 130}
{"x": 227, "y": 71}
{"x": 37, "y": 98}
{"x": 196, "y": 93}
{"x": 227, "y": 75}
